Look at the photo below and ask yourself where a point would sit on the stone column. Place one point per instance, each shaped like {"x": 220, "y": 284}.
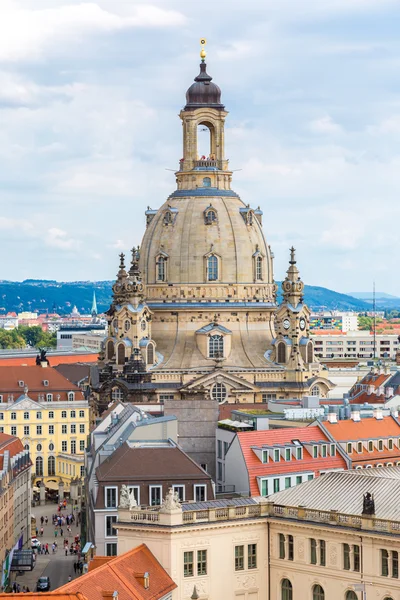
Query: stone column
{"x": 42, "y": 492}
{"x": 60, "y": 490}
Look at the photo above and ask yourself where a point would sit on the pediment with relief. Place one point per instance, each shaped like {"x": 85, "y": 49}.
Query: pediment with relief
{"x": 24, "y": 404}
{"x": 234, "y": 382}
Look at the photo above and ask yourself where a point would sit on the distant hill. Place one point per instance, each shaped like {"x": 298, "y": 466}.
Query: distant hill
{"x": 61, "y": 297}
{"x": 369, "y": 296}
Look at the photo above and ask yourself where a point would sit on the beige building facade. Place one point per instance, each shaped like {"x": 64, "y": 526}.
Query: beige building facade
{"x": 286, "y": 548}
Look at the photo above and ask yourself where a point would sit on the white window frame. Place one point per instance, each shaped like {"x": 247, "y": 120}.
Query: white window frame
{"x": 49, "y": 397}
{"x": 64, "y": 444}
{"x": 277, "y": 453}
{"x": 111, "y": 544}
{"x": 111, "y": 487}
{"x": 71, "y": 396}
{"x": 199, "y": 485}
{"x": 151, "y": 488}
{"x": 115, "y": 535}
{"x": 180, "y": 485}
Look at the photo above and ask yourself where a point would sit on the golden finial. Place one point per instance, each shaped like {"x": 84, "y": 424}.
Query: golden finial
{"x": 203, "y": 52}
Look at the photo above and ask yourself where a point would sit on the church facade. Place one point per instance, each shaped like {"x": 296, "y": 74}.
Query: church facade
{"x": 195, "y": 314}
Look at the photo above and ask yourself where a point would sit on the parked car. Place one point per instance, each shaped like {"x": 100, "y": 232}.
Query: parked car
{"x": 35, "y": 543}
{"x": 43, "y": 584}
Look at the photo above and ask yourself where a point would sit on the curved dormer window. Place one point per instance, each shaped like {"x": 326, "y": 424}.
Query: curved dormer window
{"x": 259, "y": 267}
{"x": 281, "y": 353}
{"x": 212, "y": 268}
{"x": 150, "y": 354}
{"x": 167, "y": 218}
{"x": 210, "y": 216}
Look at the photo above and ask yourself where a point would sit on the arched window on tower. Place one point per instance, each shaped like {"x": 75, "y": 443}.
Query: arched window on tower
{"x": 51, "y": 466}
{"x": 39, "y": 466}
{"x": 286, "y": 590}
{"x": 315, "y": 391}
{"x": 206, "y": 181}
{"x": 281, "y": 352}
{"x": 212, "y": 268}
{"x": 318, "y": 593}
{"x": 216, "y": 346}
{"x": 121, "y": 354}
{"x": 310, "y": 352}
{"x": 110, "y": 350}
{"x": 210, "y": 216}
{"x": 161, "y": 268}
{"x": 150, "y": 354}
{"x": 259, "y": 267}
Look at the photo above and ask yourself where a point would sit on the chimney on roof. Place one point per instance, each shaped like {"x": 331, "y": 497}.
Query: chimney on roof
{"x": 355, "y": 415}
{"x": 109, "y": 594}
{"x": 389, "y": 392}
{"x": 378, "y": 414}
{"x": 394, "y": 412}
{"x": 143, "y": 579}
{"x": 370, "y": 390}
{"x": 381, "y": 390}
{"x": 332, "y": 417}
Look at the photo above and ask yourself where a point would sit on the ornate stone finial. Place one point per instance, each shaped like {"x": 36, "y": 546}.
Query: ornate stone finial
{"x": 195, "y": 595}
{"x": 26, "y": 390}
{"x": 122, "y": 261}
{"x": 216, "y": 318}
{"x": 127, "y": 499}
{"x": 203, "y": 52}
{"x": 171, "y": 501}
{"x": 292, "y": 256}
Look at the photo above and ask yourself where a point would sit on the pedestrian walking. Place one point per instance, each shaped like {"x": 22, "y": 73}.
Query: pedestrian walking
{"x": 55, "y": 533}
{"x": 66, "y": 550}
{"x": 46, "y": 520}
{"x": 14, "y": 588}
{"x": 18, "y": 588}
{"x": 61, "y": 532}
{"x": 75, "y": 566}
{"x": 42, "y": 520}
{"x": 53, "y": 547}
{"x": 41, "y": 531}
{"x": 69, "y": 578}
{"x": 47, "y": 549}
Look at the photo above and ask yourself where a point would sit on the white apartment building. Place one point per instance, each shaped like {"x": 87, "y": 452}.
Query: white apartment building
{"x": 342, "y": 321}
{"x": 355, "y": 344}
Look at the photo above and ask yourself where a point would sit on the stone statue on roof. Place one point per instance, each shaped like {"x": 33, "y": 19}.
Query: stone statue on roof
{"x": 171, "y": 501}
{"x": 127, "y": 498}
{"x": 368, "y": 504}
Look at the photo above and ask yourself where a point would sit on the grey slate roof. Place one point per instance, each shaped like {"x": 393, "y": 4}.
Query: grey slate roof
{"x": 203, "y": 192}
{"x": 218, "y": 503}
{"x": 343, "y": 491}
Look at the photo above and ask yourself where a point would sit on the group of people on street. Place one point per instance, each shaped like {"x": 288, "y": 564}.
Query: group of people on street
{"x": 16, "y": 588}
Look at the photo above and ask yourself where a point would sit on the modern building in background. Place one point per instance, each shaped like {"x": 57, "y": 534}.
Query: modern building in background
{"x": 339, "y": 321}
{"x": 357, "y": 345}
{"x": 65, "y": 333}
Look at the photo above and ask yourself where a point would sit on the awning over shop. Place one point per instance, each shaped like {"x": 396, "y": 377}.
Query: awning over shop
{"x": 52, "y": 485}
{"x": 88, "y": 546}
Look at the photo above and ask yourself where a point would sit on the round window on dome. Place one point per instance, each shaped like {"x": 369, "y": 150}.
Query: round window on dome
{"x": 219, "y": 392}
{"x": 127, "y": 325}
{"x": 39, "y": 447}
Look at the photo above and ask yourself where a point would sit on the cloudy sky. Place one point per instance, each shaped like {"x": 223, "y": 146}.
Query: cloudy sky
{"x": 89, "y": 98}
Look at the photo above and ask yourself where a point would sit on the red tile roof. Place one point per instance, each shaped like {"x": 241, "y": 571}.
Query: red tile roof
{"x": 255, "y": 468}
{"x": 120, "y": 574}
{"x": 33, "y": 378}
{"x": 46, "y": 596}
{"x": 349, "y": 430}
{"x": 29, "y": 361}
{"x": 12, "y": 444}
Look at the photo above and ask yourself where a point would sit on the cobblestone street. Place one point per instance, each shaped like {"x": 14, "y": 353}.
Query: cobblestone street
{"x": 56, "y": 566}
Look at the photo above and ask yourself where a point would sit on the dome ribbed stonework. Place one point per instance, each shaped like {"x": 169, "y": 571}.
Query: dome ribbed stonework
{"x": 186, "y": 242}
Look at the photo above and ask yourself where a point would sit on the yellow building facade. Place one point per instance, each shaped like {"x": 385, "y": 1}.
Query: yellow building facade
{"x": 55, "y": 434}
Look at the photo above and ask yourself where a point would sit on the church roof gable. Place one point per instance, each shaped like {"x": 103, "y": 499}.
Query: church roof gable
{"x": 214, "y": 327}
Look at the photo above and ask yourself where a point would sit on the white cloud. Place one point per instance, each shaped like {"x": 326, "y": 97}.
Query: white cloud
{"x": 57, "y": 238}
{"x": 325, "y": 125}
{"x": 119, "y": 244}
{"x": 27, "y": 34}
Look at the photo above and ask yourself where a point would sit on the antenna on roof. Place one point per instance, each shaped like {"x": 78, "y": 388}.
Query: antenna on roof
{"x": 374, "y": 313}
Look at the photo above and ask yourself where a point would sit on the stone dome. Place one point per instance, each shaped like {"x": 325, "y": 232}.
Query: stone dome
{"x": 203, "y": 92}
{"x": 184, "y": 233}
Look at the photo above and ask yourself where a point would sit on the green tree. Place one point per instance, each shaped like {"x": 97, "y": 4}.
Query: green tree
{"x": 11, "y": 339}
{"x": 35, "y": 337}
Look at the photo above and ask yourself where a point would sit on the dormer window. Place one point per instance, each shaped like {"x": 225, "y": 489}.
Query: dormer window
{"x": 315, "y": 451}
{"x": 45, "y": 382}
{"x": 288, "y": 454}
{"x": 21, "y": 384}
{"x": 333, "y": 450}
{"x": 390, "y": 444}
{"x": 277, "y": 455}
{"x": 210, "y": 216}
{"x": 71, "y": 396}
{"x": 359, "y": 447}
{"x": 265, "y": 456}
{"x": 168, "y": 218}
{"x": 216, "y": 346}
{"x": 370, "y": 446}
{"x": 380, "y": 445}
{"x": 161, "y": 266}
{"x": 324, "y": 451}
{"x": 349, "y": 448}
{"x": 299, "y": 453}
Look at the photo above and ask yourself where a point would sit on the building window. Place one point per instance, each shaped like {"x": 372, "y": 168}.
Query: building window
{"x": 288, "y": 482}
{"x": 13, "y": 430}
{"x": 73, "y": 447}
{"x": 180, "y": 490}
{"x": 51, "y": 429}
{"x": 350, "y": 595}
{"x": 72, "y": 414}
{"x": 64, "y": 429}
{"x": 313, "y": 551}
{"x": 81, "y": 414}
{"x": 64, "y": 414}
{"x": 264, "y": 487}
{"x": 161, "y": 268}
{"x": 395, "y": 564}
{"x": 38, "y": 430}
{"x": 259, "y": 268}
{"x": 111, "y": 497}
{"x": 286, "y": 590}
{"x": 39, "y": 466}
{"x": 315, "y": 451}
{"x": 277, "y": 455}
{"x": 13, "y": 416}
{"x": 51, "y": 466}
{"x": 219, "y": 392}
{"x": 281, "y": 546}
{"x": 39, "y": 448}
{"x": 200, "y": 493}
{"x": 49, "y": 397}
{"x": 201, "y": 562}
{"x": 188, "y": 564}
{"x": 150, "y": 354}
{"x": 155, "y": 495}
{"x": 51, "y": 447}
{"x": 390, "y": 444}
{"x": 299, "y": 479}
{"x": 26, "y": 416}
{"x": 110, "y": 350}
{"x": 318, "y": 593}
{"x": 299, "y": 453}
{"x": 210, "y": 217}
{"x": 81, "y": 428}
{"x": 110, "y": 532}
{"x": 116, "y": 394}
{"x": 121, "y": 354}
{"x": 206, "y": 181}
{"x": 64, "y": 446}
{"x": 348, "y": 555}
{"x": 111, "y": 549}
{"x": 212, "y": 268}
{"x": 359, "y": 447}
{"x": 333, "y": 450}
{"x": 384, "y": 563}
{"x": 73, "y": 428}
{"x": 239, "y": 558}
{"x": 252, "y": 556}
{"x": 26, "y": 429}
{"x": 380, "y": 445}
{"x": 349, "y": 448}
{"x": 322, "y": 553}
{"x": 216, "y": 346}
{"x": 277, "y": 485}
{"x": 290, "y": 547}
{"x": 82, "y": 471}
{"x": 288, "y": 454}
{"x": 315, "y": 391}
{"x": 281, "y": 353}
{"x": 71, "y": 396}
